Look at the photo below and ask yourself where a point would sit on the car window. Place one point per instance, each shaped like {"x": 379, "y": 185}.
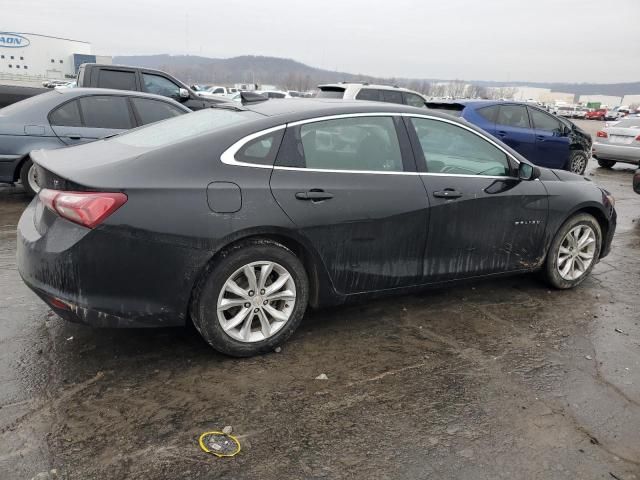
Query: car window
{"x": 413, "y": 99}
{"x": 490, "y": 113}
{"x": 330, "y": 92}
{"x": 275, "y": 95}
{"x": 262, "y": 150}
{"x": 369, "y": 94}
{"x": 218, "y": 90}
{"x": 363, "y": 143}
{"x": 106, "y": 111}
{"x": 118, "y": 79}
{"x": 392, "y": 96}
{"x": 150, "y": 110}
{"x": 513, "y": 116}
{"x": 67, "y": 115}
{"x": 452, "y": 149}
{"x": 543, "y": 121}
{"x": 160, "y": 85}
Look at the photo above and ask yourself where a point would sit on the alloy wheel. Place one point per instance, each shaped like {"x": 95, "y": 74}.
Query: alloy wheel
{"x": 576, "y": 252}
{"x": 32, "y": 178}
{"x": 256, "y": 301}
{"x": 579, "y": 164}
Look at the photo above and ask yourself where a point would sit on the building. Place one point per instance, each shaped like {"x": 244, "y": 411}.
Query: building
{"x": 603, "y": 100}
{"x": 629, "y": 100}
{"x": 29, "y": 58}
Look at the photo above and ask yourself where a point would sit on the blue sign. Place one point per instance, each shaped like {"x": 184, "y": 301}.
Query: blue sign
{"x": 12, "y": 40}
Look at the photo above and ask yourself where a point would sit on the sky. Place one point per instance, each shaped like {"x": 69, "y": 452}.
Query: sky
{"x": 503, "y": 40}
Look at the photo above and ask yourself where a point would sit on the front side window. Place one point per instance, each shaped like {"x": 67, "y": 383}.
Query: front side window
{"x": 513, "y": 116}
{"x": 150, "y": 111}
{"x": 362, "y": 143}
{"x": 413, "y": 100}
{"x": 543, "y": 121}
{"x": 451, "y": 149}
{"x": 67, "y": 115}
{"x": 160, "y": 85}
{"x": 106, "y": 111}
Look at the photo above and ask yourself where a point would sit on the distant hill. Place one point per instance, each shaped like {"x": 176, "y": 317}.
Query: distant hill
{"x": 288, "y": 73}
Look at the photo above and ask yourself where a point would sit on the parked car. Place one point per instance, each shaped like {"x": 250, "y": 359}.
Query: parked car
{"x": 544, "y": 139}
{"x": 71, "y": 116}
{"x": 120, "y": 77}
{"x": 273, "y": 93}
{"x": 618, "y": 143}
{"x": 565, "y": 111}
{"x": 294, "y": 202}
{"x": 580, "y": 113}
{"x": 219, "y": 91}
{"x": 376, "y": 93}
{"x": 598, "y": 114}
{"x": 612, "y": 114}
{"x": 636, "y": 181}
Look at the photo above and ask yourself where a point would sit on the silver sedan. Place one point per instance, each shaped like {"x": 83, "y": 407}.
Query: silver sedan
{"x": 618, "y": 143}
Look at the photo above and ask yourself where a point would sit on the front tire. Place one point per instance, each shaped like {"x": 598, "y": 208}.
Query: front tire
{"x": 252, "y": 300}
{"x": 578, "y": 162}
{"x": 29, "y": 178}
{"x": 606, "y": 163}
{"x": 574, "y": 251}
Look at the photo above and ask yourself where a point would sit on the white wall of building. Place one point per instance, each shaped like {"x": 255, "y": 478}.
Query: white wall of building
{"x": 30, "y": 58}
{"x": 631, "y": 100}
{"x": 608, "y": 100}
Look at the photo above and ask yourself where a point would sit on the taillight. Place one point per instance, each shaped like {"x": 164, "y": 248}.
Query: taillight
{"x": 602, "y": 134}
{"x": 638, "y": 138}
{"x": 84, "y": 208}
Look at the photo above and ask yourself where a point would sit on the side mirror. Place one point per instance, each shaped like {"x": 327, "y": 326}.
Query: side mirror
{"x": 183, "y": 93}
{"x": 527, "y": 171}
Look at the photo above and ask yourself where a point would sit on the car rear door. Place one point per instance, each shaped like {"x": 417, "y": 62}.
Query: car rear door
{"x": 483, "y": 219}
{"x": 350, "y": 186}
{"x": 552, "y": 143}
{"x": 514, "y": 129}
{"x": 101, "y": 116}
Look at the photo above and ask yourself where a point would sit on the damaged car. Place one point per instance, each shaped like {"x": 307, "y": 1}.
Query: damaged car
{"x": 239, "y": 218}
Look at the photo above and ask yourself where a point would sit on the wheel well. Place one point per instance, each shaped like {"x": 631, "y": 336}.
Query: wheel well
{"x": 16, "y": 173}
{"x": 599, "y": 216}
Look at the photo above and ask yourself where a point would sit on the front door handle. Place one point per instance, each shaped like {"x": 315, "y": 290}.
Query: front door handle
{"x": 447, "y": 193}
{"x": 501, "y": 133}
{"x": 540, "y": 138}
{"x": 315, "y": 195}
{"x": 74, "y": 136}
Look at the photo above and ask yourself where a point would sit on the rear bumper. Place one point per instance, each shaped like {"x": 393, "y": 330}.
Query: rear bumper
{"x": 619, "y": 153}
{"x": 8, "y": 165}
{"x": 102, "y": 277}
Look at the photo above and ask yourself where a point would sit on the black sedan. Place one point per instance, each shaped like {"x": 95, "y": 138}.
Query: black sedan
{"x": 240, "y": 217}
{"x": 71, "y": 116}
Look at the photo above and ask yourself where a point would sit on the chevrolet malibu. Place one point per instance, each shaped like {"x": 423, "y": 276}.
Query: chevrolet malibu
{"x": 239, "y": 218}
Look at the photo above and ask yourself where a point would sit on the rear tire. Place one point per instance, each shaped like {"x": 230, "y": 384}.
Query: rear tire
{"x": 578, "y": 162}
{"x": 259, "y": 318}
{"x": 28, "y": 178}
{"x": 566, "y": 251}
{"x": 606, "y": 163}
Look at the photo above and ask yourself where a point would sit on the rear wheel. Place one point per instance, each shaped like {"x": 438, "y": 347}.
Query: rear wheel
{"x": 253, "y": 300}
{"x": 606, "y": 163}
{"x": 578, "y": 161}
{"x": 574, "y": 251}
{"x": 29, "y": 178}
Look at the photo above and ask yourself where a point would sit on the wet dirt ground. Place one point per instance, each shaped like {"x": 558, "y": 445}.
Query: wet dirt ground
{"x": 499, "y": 379}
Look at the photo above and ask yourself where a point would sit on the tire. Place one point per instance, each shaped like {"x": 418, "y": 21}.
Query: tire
{"x": 606, "y": 163}
{"x": 238, "y": 339}
{"x": 578, "y": 161}
{"x": 28, "y": 178}
{"x": 554, "y": 266}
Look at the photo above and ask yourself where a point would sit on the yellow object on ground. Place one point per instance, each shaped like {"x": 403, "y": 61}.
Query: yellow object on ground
{"x": 219, "y": 444}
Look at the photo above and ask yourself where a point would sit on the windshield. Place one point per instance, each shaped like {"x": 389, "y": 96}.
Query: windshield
{"x": 183, "y": 127}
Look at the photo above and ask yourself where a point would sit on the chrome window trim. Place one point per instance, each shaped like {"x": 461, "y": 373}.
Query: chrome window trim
{"x": 228, "y": 156}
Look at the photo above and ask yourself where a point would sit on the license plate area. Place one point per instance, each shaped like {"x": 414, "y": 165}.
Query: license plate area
{"x": 620, "y": 139}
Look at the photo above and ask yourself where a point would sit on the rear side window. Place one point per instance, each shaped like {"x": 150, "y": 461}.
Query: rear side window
{"x": 106, "y": 111}
{"x": 455, "y": 150}
{"x": 513, "y": 116}
{"x": 150, "y": 111}
{"x": 543, "y": 121}
{"x": 392, "y": 96}
{"x": 117, "y": 79}
{"x": 369, "y": 94}
{"x": 331, "y": 92}
{"x": 363, "y": 143}
{"x": 413, "y": 100}
{"x": 490, "y": 113}
{"x": 67, "y": 115}
{"x": 262, "y": 150}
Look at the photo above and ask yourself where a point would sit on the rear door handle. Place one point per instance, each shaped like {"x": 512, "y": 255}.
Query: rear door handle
{"x": 74, "y": 136}
{"x": 540, "y": 138}
{"x": 447, "y": 193}
{"x": 315, "y": 195}
{"x": 501, "y": 133}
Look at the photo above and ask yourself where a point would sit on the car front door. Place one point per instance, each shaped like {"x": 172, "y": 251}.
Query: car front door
{"x": 350, "y": 186}
{"x": 552, "y": 141}
{"x": 483, "y": 219}
{"x": 514, "y": 129}
{"x": 100, "y": 116}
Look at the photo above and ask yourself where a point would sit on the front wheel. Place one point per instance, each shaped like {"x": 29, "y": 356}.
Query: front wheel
{"x": 578, "y": 161}
{"x": 574, "y": 251}
{"x": 606, "y": 163}
{"x": 29, "y": 178}
{"x": 252, "y": 300}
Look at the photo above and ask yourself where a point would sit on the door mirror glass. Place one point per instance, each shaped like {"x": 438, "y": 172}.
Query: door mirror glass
{"x": 527, "y": 171}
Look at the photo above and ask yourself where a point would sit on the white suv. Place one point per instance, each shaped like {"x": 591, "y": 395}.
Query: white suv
{"x": 376, "y": 93}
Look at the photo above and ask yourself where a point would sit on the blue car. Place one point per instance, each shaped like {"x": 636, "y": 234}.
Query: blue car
{"x": 544, "y": 139}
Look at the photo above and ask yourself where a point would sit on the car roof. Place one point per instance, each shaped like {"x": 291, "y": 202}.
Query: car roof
{"x": 377, "y": 86}
{"x": 78, "y": 92}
